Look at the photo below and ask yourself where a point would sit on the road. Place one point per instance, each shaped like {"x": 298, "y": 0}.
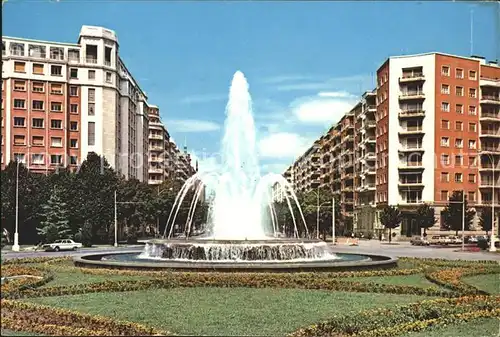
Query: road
{"x": 8, "y": 254}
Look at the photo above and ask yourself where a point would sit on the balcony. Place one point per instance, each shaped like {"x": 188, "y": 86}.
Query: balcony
{"x": 154, "y": 182}
{"x": 489, "y": 82}
{"x": 411, "y": 148}
{"x": 411, "y": 130}
{"x": 155, "y": 170}
{"x": 410, "y": 165}
{"x": 371, "y": 107}
{"x": 107, "y": 63}
{"x": 490, "y": 99}
{"x": 412, "y": 201}
{"x": 412, "y": 77}
{"x": 91, "y": 60}
{"x": 156, "y": 148}
{"x": 155, "y": 159}
{"x": 489, "y": 116}
{"x": 489, "y": 183}
{"x": 490, "y": 133}
{"x": 417, "y": 113}
{"x": 370, "y": 124}
{"x": 489, "y": 167}
{"x": 153, "y": 136}
{"x": 411, "y": 95}
{"x": 408, "y": 184}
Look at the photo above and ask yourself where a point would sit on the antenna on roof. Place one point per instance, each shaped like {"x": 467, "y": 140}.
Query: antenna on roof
{"x": 185, "y": 144}
{"x": 472, "y": 32}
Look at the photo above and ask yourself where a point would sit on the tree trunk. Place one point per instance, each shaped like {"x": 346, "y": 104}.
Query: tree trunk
{"x": 456, "y": 233}
{"x": 390, "y": 235}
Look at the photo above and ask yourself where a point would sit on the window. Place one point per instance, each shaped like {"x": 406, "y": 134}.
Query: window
{"x": 471, "y": 196}
{"x": 445, "y": 106}
{"x": 73, "y": 126}
{"x": 445, "y": 71}
{"x": 91, "y": 133}
{"x": 37, "y": 105}
{"x": 459, "y": 73}
{"x": 472, "y": 178}
{"x": 109, "y": 77}
{"x": 19, "y": 157}
{"x": 444, "y": 195}
{"x": 55, "y": 70}
{"x": 73, "y": 108}
{"x": 73, "y": 143}
{"x": 472, "y": 144}
{"x": 19, "y": 121}
{"x": 91, "y": 109}
{"x": 37, "y": 141}
{"x": 459, "y": 91}
{"x": 459, "y": 143}
{"x": 73, "y": 91}
{"x": 472, "y": 110}
{"x": 444, "y": 177}
{"x": 19, "y": 140}
{"x": 91, "y": 75}
{"x": 56, "y": 124}
{"x": 459, "y": 126}
{"x": 56, "y": 141}
{"x": 472, "y": 93}
{"x": 37, "y": 123}
{"x": 472, "y": 127}
{"x": 55, "y": 159}
{"x": 73, "y": 73}
{"x": 459, "y": 108}
{"x": 19, "y": 103}
{"x": 458, "y": 177}
{"x": 20, "y": 85}
{"x": 56, "y": 88}
{"x": 445, "y": 141}
{"x": 56, "y": 106}
{"x": 38, "y": 87}
{"x": 445, "y": 89}
{"x": 91, "y": 95}
{"x": 19, "y": 67}
{"x": 458, "y": 160}
{"x": 37, "y": 159}
{"x": 472, "y": 75}
{"x": 73, "y": 160}
{"x": 445, "y": 124}
{"x": 37, "y": 68}
{"x": 472, "y": 161}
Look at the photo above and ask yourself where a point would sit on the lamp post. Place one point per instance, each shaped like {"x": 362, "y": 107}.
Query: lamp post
{"x": 333, "y": 220}
{"x": 492, "y": 234}
{"x": 116, "y": 215}
{"x": 15, "y": 246}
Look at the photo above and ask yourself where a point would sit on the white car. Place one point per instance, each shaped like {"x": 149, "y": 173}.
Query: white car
{"x": 62, "y": 245}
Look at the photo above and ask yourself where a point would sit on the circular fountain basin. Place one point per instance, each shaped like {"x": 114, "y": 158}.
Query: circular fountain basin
{"x": 208, "y": 254}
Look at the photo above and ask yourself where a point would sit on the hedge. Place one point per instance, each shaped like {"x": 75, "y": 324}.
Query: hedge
{"x": 394, "y": 321}
{"x": 23, "y": 316}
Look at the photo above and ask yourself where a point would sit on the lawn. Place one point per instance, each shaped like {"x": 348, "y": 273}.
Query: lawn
{"x": 489, "y": 327}
{"x": 414, "y": 280}
{"x": 223, "y": 311}
{"x": 489, "y": 283}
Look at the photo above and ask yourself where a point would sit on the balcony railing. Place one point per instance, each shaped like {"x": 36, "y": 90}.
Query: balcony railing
{"x": 408, "y": 77}
{"x": 412, "y": 113}
{"x": 371, "y": 107}
{"x": 412, "y": 94}
{"x": 370, "y": 124}
{"x": 411, "y": 129}
{"x": 156, "y": 148}
{"x": 107, "y": 63}
{"x": 490, "y": 149}
{"x": 490, "y": 98}
{"x": 487, "y": 132}
{"x": 487, "y": 114}
{"x": 92, "y": 60}
{"x": 411, "y": 164}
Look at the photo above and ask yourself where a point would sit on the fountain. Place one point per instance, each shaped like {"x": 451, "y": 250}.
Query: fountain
{"x": 241, "y": 230}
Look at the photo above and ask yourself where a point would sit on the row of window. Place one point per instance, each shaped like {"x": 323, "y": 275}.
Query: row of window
{"x": 459, "y": 125}
{"x": 445, "y": 177}
{"x": 459, "y": 91}
{"x": 471, "y": 196}
{"x": 38, "y": 123}
{"x": 20, "y": 140}
{"x": 39, "y": 159}
{"x": 39, "y": 87}
{"x": 54, "y": 106}
{"x": 56, "y": 70}
{"x": 459, "y": 108}
{"x": 459, "y": 73}
{"x": 459, "y": 143}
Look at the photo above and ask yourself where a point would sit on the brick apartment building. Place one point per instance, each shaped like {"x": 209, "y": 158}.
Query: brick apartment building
{"x": 61, "y": 101}
{"x": 431, "y": 127}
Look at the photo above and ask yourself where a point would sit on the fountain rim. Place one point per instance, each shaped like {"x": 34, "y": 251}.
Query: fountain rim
{"x": 372, "y": 261}
{"x": 199, "y": 241}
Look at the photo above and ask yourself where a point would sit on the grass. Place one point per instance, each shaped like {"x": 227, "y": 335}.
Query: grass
{"x": 489, "y": 283}
{"x": 5, "y": 332}
{"x": 486, "y": 327}
{"x": 225, "y": 311}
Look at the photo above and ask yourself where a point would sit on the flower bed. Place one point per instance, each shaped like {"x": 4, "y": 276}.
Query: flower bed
{"x": 38, "y": 278}
{"x": 451, "y": 278}
{"x": 35, "y": 318}
{"x": 412, "y": 317}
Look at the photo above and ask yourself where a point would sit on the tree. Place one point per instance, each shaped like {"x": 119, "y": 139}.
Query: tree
{"x": 453, "y": 215}
{"x": 425, "y": 217}
{"x": 55, "y": 225}
{"x": 485, "y": 220}
{"x": 390, "y": 218}
{"x": 84, "y": 235}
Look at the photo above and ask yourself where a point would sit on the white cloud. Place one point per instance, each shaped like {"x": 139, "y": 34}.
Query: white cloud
{"x": 362, "y": 82}
{"x": 343, "y": 94}
{"x": 192, "y": 125}
{"x": 321, "y": 110}
{"x": 285, "y": 78}
{"x": 283, "y": 145}
{"x": 203, "y": 98}
{"x": 206, "y": 162}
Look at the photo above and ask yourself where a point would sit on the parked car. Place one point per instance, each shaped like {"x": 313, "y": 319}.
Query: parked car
{"x": 455, "y": 240}
{"x": 419, "y": 241}
{"x": 62, "y": 245}
{"x": 435, "y": 240}
{"x": 472, "y": 239}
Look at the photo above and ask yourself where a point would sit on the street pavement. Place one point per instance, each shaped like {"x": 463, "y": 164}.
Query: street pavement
{"x": 8, "y": 254}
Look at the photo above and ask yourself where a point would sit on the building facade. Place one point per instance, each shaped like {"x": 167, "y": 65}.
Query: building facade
{"x": 431, "y": 127}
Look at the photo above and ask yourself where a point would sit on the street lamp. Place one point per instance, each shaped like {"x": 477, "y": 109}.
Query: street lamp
{"x": 116, "y": 215}
{"x": 492, "y": 233}
{"x": 15, "y": 246}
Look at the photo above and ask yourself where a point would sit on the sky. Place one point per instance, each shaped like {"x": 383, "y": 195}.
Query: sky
{"x": 306, "y": 62}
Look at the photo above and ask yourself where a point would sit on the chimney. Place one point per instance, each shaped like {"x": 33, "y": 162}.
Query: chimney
{"x": 479, "y": 58}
